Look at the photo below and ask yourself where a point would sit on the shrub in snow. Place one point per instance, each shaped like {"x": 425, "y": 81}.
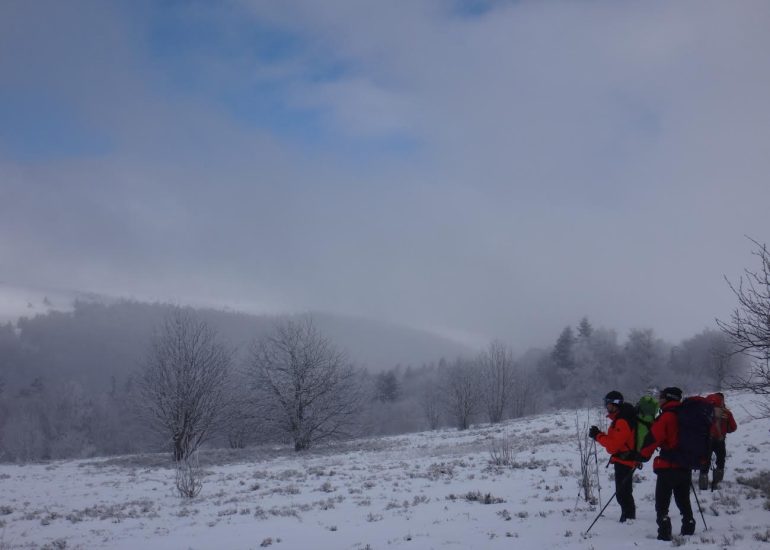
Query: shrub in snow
{"x": 188, "y": 477}
{"x": 760, "y": 482}
{"x": 501, "y": 452}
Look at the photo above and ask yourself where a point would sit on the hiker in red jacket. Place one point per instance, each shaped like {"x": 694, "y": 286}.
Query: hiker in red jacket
{"x": 672, "y": 478}
{"x": 723, "y": 424}
{"x": 619, "y": 441}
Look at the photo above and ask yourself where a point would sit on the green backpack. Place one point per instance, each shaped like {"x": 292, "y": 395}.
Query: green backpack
{"x": 639, "y": 418}
{"x": 646, "y": 409}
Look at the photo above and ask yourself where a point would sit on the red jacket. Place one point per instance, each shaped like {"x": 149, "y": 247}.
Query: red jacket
{"x": 618, "y": 439}
{"x": 665, "y": 432}
{"x": 724, "y": 423}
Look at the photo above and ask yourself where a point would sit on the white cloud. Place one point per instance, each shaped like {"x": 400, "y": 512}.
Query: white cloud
{"x": 573, "y": 159}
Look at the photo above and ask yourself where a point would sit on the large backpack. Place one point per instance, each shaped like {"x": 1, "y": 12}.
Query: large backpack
{"x": 694, "y": 417}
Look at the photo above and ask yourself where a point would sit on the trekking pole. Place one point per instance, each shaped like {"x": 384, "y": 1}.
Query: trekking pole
{"x": 600, "y": 513}
{"x": 629, "y": 476}
{"x": 705, "y": 527}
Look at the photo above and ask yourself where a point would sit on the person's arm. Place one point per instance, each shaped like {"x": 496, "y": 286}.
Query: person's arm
{"x": 658, "y": 431}
{"x": 617, "y": 437}
{"x": 730, "y": 421}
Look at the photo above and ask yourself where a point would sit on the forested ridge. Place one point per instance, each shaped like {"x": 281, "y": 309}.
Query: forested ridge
{"x": 70, "y": 379}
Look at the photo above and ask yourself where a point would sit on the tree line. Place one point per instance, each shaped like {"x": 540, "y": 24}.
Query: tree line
{"x": 291, "y": 384}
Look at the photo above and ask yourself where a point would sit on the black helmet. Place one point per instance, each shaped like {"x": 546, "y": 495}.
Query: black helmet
{"x": 613, "y": 397}
{"x": 671, "y": 393}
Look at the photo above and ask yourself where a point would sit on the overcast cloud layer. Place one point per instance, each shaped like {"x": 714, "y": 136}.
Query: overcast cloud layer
{"x": 483, "y": 169}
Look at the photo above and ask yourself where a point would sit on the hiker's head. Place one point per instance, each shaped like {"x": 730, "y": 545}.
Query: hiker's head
{"x": 670, "y": 394}
{"x": 613, "y": 400}
{"x": 717, "y": 399}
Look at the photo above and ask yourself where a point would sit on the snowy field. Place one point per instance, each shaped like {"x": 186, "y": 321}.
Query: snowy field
{"x": 421, "y": 491}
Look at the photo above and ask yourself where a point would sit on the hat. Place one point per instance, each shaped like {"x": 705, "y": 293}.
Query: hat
{"x": 672, "y": 393}
{"x": 613, "y": 397}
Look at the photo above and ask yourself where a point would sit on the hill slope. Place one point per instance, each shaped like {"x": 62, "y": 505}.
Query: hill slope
{"x": 428, "y": 490}
{"x": 96, "y": 341}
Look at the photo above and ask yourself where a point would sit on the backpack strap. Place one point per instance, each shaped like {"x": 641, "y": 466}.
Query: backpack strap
{"x": 629, "y": 454}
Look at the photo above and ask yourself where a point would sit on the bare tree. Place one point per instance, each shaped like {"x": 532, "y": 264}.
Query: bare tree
{"x": 239, "y": 423}
{"x": 527, "y": 390}
{"x": 184, "y": 380}
{"x": 461, "y": 392}
{"x": 497, "y": 379}
{"x": 749, "y": 324}
{"x": 589, "y": 476}
{"x": 430, "y": 402}
{"x": 304, "y": 387}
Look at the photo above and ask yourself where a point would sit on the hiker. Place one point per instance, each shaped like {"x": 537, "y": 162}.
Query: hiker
{"x": 620, "y": 442}
{"x": 723, "y": 424}
{"x": 672, "y": 478}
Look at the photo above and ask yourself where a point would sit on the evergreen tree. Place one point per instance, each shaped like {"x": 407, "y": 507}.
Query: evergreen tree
{"x": 386, "y": 387}
{"x": 585, "y": 330}
{"x": 563, "y": 352}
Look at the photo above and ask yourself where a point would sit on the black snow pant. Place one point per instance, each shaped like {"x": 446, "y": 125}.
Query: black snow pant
{"x": 624, "y": 490}
{"x": 677, "y": 482}
{"x": 719, "y": 448}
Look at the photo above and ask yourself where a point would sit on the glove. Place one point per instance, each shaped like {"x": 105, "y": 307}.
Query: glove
{"x": 593, "y": 431}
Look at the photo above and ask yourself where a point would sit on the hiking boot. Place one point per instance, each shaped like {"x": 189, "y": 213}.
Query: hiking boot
{"x": 703, "y": 481}
{"x": 717, "y": 477}
{"x": 688, "y": 526}
{"x": 664, "y": 528}
{"x": 628, "y": 514}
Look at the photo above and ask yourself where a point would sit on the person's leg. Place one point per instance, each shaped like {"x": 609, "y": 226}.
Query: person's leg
{"x": 663, "y": 491}
{"x": 720, "y": 450}
{"x": 624, "y": 491}
{"x": 681, "y": 489}
{"x": 703, "y": 477}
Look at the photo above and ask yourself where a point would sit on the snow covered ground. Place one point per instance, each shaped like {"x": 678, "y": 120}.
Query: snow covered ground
{"x": 421, "y": 491}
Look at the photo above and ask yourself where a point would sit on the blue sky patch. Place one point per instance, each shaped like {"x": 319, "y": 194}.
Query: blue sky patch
{"x": 36, "y": 127}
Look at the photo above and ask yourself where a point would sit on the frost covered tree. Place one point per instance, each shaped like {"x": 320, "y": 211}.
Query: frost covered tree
{"x": 749, "y": 325}
{"x": 705, "y": 360}
{"x": 563, "y": 354}
{"x": 184, "y": 381}
{"x": 597, "y": 364}
{"x": 461, "y": 392}
{"x": 497, "y": 378}
{"x": 430, "y": 403}
{"x": 239, "y": 425}
{"x": 644, "y": 358}
{"x": 585, "y": 330}
{"x": 303, "y": 387}
{"x": 386, "y": 387}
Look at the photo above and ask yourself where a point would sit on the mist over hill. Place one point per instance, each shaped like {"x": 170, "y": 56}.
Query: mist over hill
{"x": 97, "y": 343}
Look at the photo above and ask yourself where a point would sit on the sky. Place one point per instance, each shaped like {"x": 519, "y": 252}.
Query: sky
{"x": 482, "y": 169}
